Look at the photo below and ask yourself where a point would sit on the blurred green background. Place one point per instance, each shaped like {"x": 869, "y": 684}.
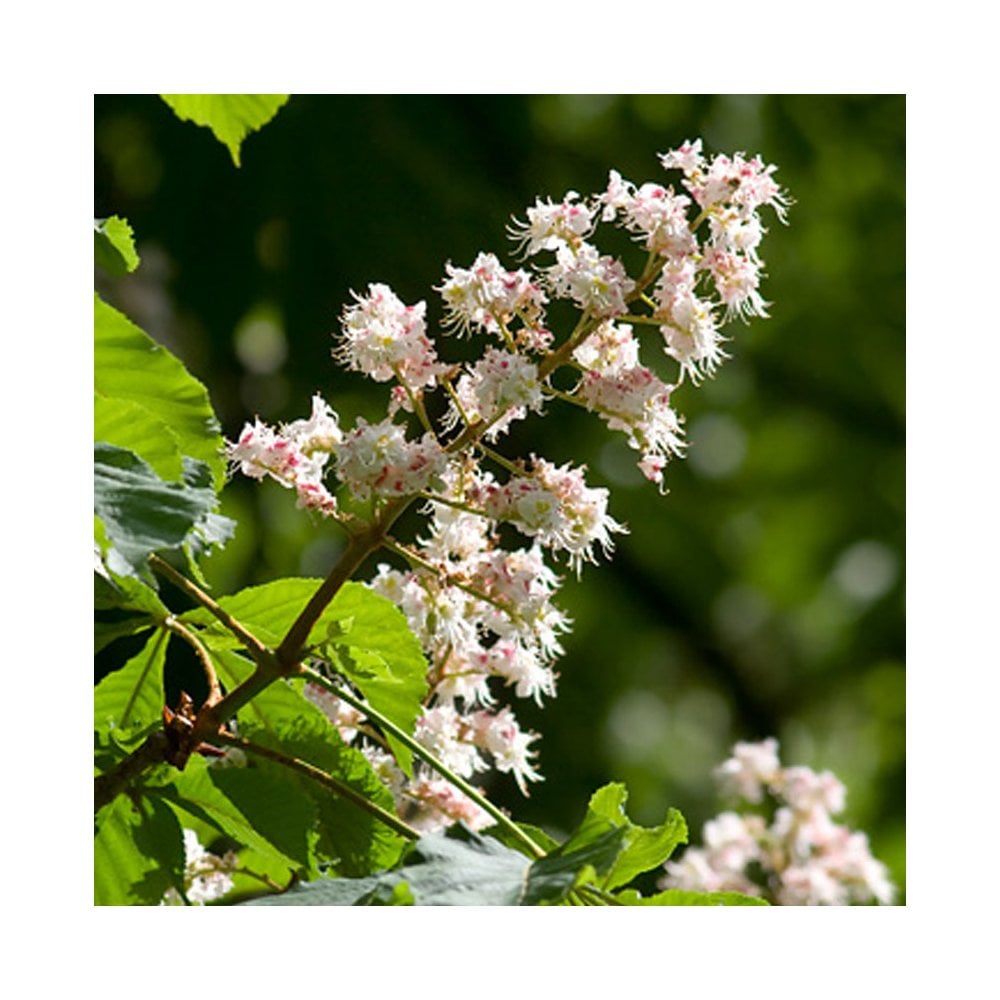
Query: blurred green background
{"x": 764, "y": 594}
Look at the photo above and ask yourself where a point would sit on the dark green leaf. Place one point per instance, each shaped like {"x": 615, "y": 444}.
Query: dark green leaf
{"x": 595, "y": 855}
{"x": 129, "y": 365}
{"x": 251, "y": 810}
{"x": 282, "y": 719}
{"x": 114, "y": 246}
{"x": 276, "y": 807}
{"x": 132, "y": 697}
{"x": 112, "y": 591}
{"x": 460, "y": 869}
{"x": 138, "y": 852}
{"x": 231, "y": 117}
{"x": 141, "y": 513}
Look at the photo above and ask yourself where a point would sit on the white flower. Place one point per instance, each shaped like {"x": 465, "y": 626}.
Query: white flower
{"x": 386, "y": 339}
{"x": 207, "y": 876}
{"x": 752, "y": 767}
{"x": 553, "y": 226}
{"x": 377, "y": 458}
{"x": 599, "y": 284}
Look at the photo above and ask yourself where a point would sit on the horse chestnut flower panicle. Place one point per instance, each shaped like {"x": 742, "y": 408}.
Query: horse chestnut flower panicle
{"x": 802, "y": 857}
{"x": 484, "y": 612}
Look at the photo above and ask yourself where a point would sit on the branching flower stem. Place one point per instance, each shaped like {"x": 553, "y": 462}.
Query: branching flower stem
{"x": 424, "y": 754}
{"x": 258, "y": 651}
{"x": 326, "y": 780}
{"x": 416, "y": 561}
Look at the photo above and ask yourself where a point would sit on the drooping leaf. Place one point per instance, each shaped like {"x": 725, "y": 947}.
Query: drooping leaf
{"x": 140, "y": 512}
{"x": 365, "y": 633}
{"x": 683, "y": 897}
{"x": 114, "y": 246}
{"x": 129, "y": 365}
{"x": 459, "y": 869}
{"x": 281, "y": 718}
{"x": 125, "y": 592}
{"x": 132, "y": 697}
{"x": 138, "y": 852}
{"x": 231, "y": 117}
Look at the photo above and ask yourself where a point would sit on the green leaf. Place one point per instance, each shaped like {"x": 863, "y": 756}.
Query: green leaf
{"x": 365, "y": 633}
{"x": 106, "y": 632}
{"x": 141, "y": 513}
{"x": 282, "y": 718}
{"x": 683, "y": 897}
{"x": 138, "y": 852}
{"x": 231, "y": 117}
{"x": 459, "y": 869}
{"x": 254, "y": 809}
{"x": 114, "y": 246}
{"x": 131, "y": 426}
{"x": 643, "y": 849}
{"x": 113, "y": 591}
{"x": 538, "y": 835}
{"x": 129, "y": 365}
{"x": 132, "y": 697}
{"x": 374, "y": 647}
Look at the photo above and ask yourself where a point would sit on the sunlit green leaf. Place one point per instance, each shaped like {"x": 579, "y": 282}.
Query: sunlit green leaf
{"x": 130, "y": 425}
{"x": 133, "y": 697}
{"x": 114, "y": 246}
{"x": 365, "y": 633}
{"x": 129, "y": 365}
{"x": 643, "y": 848}
{"x": 682, "y": 897}
{"x": 231, "y": 117}
{"x": 138, "y": 852}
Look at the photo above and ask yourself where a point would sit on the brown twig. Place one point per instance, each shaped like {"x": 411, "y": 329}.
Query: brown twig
{"x": 214, "y": 688}
{"x": 321, "y": 777}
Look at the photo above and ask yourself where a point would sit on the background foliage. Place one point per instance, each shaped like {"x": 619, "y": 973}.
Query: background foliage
{"x": 764, "y": 595}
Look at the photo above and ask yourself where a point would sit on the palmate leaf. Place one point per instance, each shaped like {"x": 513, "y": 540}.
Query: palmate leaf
{"x": 129, "y": 365}
{"x": 461, "y": 868}
{"x": 138, "y": 852}
{"x": 114, "y": 246}
{"x": 282, "y": 719}
{"x": 365, "y": 633}
{"x": 141, "y": 513}
{"x": 231, "y": 117}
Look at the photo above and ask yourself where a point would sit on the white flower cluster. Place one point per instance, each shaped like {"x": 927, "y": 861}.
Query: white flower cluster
{"x": 482, "y": 611}
{"x": 206, "y": 876}
{"x": 800, "y": 858}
